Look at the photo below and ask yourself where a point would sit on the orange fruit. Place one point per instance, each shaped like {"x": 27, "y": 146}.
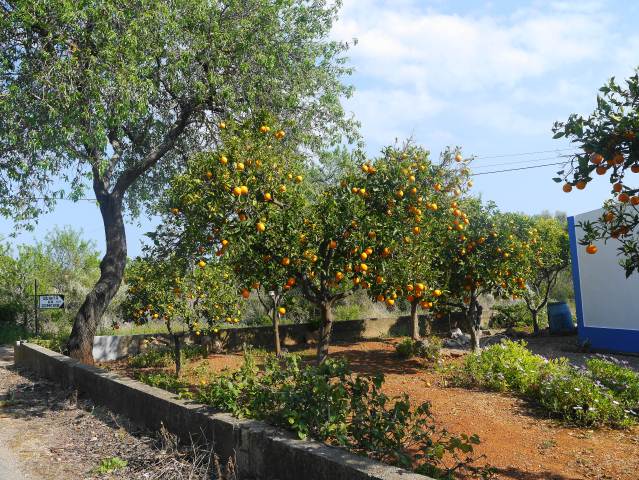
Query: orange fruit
{"x": 265, "y": 129}
{"x": 363, "y": 267}
{"x": 591, "y": 249}
{"x": 260, "y": 227}
{"x": 224, "y": 160}
{"x": 634, "y": 169}
{"x": 237, "y": 191}
{"x": 380, "y": 298}
{"x": 201, "y": 264}
{"x": 286, "y": 261}
{"x": 596, "y": 158}
{"x": 458, "y": 157}
{"x": 244, "y": 189}
{"x": 623, "y": 197}
{"x": 601, "y": 170}
{"x": 332, "y": 244}
{"x": 245, "y": 293}
{"x": 222, "y": 125}
{"x": 581, "y": 185}
{"x": 634, "y": 200}
{"x": 617, "y": 159}
{"x": 339, "y": 276}
{"x": 609, "y": 216}
{"x": 567, "y": 188}
{"x": 281, "y": 311}
{"x": 617, "y": 187}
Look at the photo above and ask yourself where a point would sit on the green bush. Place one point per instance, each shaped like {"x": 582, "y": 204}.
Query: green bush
{"x": 429, "y": 348}
{"x": 515, "y": 315}
{"x": 165, "y": 357}
{"x": 166, "y": 381}
{"x": 573, "y": 396}
{"x": 405, "y": 348}
{"x": 601, "y": 394}
{"x": 56, "y": 341}
{"x": 153, "y": 358}
{"x": 330, "y": 404}
{"x": 623, "y": 381}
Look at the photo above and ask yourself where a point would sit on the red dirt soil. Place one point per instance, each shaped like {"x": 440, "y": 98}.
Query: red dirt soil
{"x": 516, "y": 439}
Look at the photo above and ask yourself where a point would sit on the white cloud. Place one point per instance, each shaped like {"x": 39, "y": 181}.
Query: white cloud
{"x": 413, "y": 62}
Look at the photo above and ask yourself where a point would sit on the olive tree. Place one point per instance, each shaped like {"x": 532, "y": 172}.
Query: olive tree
{"x": 110, "y": 97}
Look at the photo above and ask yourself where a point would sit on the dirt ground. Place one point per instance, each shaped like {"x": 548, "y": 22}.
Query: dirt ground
{"x": 517, "y": 439}
{"x": 51, "y": 434}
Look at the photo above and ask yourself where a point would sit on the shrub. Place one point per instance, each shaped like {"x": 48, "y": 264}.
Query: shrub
{"x": 622, "y": 381}
{"x": 153, "y": 358}
{"x": 167, "y": 382}
{"x": 330, "y": 404}
{"x": 405, "y": 348}
{"x": 428, "y": 348}
{"x": 603, "y": 394}
{"x": 514, "y": 315}
{"x": 165, "y": 357}
{"x": 575, "y": 397}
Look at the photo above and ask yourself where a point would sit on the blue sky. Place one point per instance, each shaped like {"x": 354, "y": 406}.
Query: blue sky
{"x": 491, "y": 77}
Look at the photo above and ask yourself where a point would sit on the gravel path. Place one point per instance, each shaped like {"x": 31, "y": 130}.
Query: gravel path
{"x": 49, "y": 433}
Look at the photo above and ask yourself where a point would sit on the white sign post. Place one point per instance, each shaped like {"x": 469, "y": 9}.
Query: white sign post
{"x": 48, "y": 302}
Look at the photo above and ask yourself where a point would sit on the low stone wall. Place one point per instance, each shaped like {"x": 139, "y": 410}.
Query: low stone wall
{"x": 261, "y": 451}
{"x": 113, "y": 347}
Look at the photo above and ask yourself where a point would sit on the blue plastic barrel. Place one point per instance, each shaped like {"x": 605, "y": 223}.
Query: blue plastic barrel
{"x": 559, "y": 318}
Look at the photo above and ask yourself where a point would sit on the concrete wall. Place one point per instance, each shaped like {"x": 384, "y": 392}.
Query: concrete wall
{"x": 113, "y": 347}
{"x": 261, "y": 451}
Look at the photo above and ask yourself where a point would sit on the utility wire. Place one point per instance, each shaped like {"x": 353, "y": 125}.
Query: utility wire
{"x": 520, "y": 168}
{"x": 520, "y": 161}
{"x": 521, "y": 154}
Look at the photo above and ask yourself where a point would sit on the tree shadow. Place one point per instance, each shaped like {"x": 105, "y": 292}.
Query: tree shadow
{"x": 516, "y": 473}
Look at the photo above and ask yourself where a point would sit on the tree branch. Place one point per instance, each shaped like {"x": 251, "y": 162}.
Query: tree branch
{"x": 134, "y": 172}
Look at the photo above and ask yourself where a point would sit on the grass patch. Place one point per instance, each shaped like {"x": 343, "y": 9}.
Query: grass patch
{"x": 109, "y": 465}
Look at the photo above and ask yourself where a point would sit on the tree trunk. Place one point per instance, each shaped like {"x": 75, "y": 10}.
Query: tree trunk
{"x": 177, "y": 351}
{"x": 276, "y": 329}
{"x": 473, "y": 319}
{"x": 535, "y": 321}
{"x": 326, "y": 316}
{"x": 414, "y": 322}
{"x": 80, "y": 345}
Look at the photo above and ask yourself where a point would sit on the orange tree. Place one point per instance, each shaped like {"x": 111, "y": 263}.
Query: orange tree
{"x": 608, "y": 140}
{"x": 547, "y": 254}
{"x": 201, "y": 298}
{"x": 488, "y": 257}
{"x": 253, "y": 199}
{"x": 426, "y": 203}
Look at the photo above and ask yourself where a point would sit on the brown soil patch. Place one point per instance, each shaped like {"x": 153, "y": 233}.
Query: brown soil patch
{"x": 517, "y": 439}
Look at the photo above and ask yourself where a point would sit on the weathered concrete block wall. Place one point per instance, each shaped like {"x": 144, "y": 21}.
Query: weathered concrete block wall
{"x": 113, "y": 347}
{"x": 261, "y": 451}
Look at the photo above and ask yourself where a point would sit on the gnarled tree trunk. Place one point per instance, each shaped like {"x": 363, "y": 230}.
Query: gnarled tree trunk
{"x": 326, "y": 318}
{"x": 80, "y": 345}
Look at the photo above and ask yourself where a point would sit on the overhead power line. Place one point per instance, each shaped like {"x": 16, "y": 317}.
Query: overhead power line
{"x": 520, "y": 168}
{"x": 545, "y": 159}
{"x": 521, "y": 154}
